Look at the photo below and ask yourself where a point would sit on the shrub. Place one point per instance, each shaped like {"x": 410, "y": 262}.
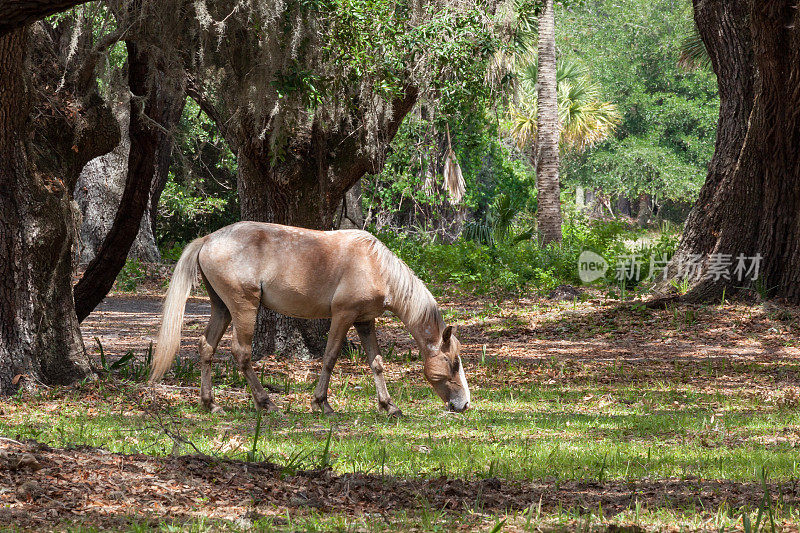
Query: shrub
{"x": 512, "y": 266}
{"x": 131, "y": 275}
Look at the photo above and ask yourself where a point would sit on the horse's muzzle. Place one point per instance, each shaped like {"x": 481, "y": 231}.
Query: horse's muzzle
{"x": 457, "y": 408}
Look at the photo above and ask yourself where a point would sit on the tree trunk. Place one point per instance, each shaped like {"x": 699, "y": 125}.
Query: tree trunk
{"x": 751, "y": 198}
{"x": 40, "y": 159}
{"x": 724, "y": 28}
{"x": 288, "y": 193}
{"x": 580, "y": 198}
{"x": 172, "y": 102}
{"x": 547, "y": 181}
{"x": 100, "y": 186}
{"x": 149, "y": 122}
{"x": 623, "y": 205}
{"x": 595, "y": 204}
{"x": 351, "y": 214}
{"x": 645, "y": 210}
{"x": 303, "y": 187}
{"x": 102, "y": 182}
{"x": 16, "y": 14}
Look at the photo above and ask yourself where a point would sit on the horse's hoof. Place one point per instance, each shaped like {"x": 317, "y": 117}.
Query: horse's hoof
{"x": 394, "y": 412}
{"x": 324, "y": 407}
{"x": 216, "y": 409}
{"x": 390, "y": 409}
{"x": 268, "y": 406}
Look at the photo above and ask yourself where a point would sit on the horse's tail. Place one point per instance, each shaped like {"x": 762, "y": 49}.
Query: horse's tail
{"x": 169, "y": 336}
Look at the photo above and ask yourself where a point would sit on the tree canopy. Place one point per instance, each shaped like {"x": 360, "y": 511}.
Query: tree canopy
{"x": 669, "y": 113}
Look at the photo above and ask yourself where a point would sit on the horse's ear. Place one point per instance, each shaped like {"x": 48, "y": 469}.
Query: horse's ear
{"x": 448, "y": 332}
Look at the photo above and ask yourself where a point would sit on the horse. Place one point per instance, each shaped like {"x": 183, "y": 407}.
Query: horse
{"x": 348, "y": 276}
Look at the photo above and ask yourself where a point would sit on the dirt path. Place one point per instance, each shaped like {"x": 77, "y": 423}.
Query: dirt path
{"x": 588, "y": 341}
{"x": 124, "y": 323}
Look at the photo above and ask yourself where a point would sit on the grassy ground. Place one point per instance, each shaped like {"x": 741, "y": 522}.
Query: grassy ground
{"x": 586, "y": 415}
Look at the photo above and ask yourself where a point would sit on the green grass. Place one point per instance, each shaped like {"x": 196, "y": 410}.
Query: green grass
{"x": 532, "y": 431}
{"x": 605, "y": 419}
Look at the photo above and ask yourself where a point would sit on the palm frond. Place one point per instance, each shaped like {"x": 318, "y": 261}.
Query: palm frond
{"x": 523, "y": 123}
{"x": 453, "y": 178}
{"x": 516, "y": 29}
{"x": 585, "y": 119}
{"x": 693, "y": 52}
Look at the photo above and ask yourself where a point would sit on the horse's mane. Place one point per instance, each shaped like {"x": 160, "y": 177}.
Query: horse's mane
{"x": 410, "y": 298}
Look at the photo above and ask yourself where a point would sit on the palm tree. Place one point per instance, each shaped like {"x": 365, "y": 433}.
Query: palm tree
{"x": 585, "y": 119}
{"x": 547, "y": 130}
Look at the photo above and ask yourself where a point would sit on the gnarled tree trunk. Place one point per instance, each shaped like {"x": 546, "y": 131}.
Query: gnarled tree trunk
{"x": 149, "y": 124}
{"x": 750, "y": 203}
{"x": 102, "y": 182}
{"x": 289, "y": 193}
{"x": 173, "y": 103}
{"x": 40, "y": 161}
{"x": 304, "y": 189}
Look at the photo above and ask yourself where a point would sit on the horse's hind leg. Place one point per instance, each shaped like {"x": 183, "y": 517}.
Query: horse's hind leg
{"x": 366, "y": 332}
{"x": 217, "y": 324}
{"x": 242, "y": 347}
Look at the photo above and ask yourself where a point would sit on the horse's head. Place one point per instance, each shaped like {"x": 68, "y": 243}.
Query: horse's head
{"x": 444, "y": 371}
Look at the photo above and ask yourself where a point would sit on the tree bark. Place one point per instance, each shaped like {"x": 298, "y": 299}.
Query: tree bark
{"x": 41, "y": 155}
{"x": 350, "y": 214}
{"x": 750, "y": 204}
{"x": 288, "y": 193}
{"x": 173, "y": 105}
{"x": 623, "y": 205}
{"x": 645, "y": 209}
{"x": 547, "y": 157}
{"x": 19, "y": 13}
{"x": 580, "y": 198}
{"x": 102, "y": 181}
{"x": 724, "y": 28}
{"x": 148, "y": 127}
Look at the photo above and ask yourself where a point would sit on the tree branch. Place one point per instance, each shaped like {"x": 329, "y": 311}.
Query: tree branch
{"x": 207, "y": 106}
{"x": 17, "y": 13}
{"x": 346, "y": 169}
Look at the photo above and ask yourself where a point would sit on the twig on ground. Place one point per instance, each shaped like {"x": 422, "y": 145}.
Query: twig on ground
{"x": 155, "y": 414}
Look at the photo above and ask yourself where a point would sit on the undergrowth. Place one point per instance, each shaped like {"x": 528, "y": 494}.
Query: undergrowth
{"x": 515, "y": 265}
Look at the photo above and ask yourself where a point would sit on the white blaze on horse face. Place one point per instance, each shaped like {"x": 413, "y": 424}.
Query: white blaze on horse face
{"x": 463, "y": 379}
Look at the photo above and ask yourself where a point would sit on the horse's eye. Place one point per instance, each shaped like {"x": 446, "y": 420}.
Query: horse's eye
{"x": 456, "y": 363}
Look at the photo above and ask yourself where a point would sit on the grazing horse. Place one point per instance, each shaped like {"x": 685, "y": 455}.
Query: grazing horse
{"x": 348, "y": 276}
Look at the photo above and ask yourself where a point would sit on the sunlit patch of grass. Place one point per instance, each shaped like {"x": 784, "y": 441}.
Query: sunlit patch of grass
{"x": 521, "y": 431}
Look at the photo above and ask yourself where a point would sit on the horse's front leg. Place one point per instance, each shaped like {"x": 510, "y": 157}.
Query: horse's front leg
{"x": 339, "y": 326}
{"x": 369, "y": 341}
